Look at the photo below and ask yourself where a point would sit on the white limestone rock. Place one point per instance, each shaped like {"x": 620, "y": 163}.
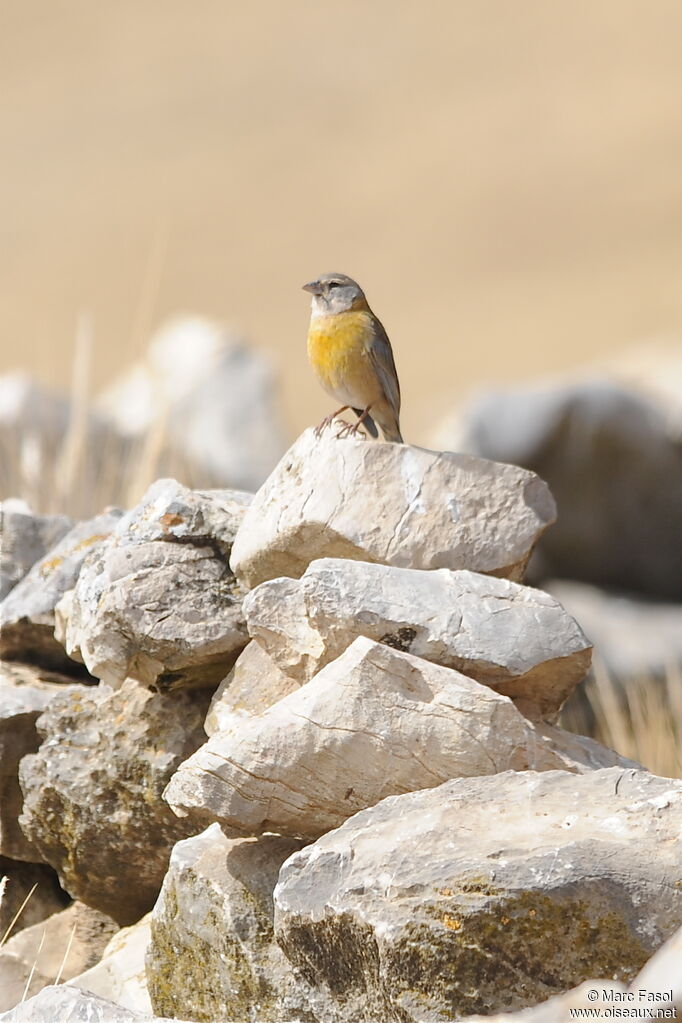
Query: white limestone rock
{"x": 517, "y": 640}
{"x": 485, "y": 894}
{"x": 158, "y": 602}
{"x": 253, "y": 685}
{"x": 70, "y": 1005}
{"x": 392, "y": 504}
{"x": 27, "y": 614}
{"x": 374, "y": 722}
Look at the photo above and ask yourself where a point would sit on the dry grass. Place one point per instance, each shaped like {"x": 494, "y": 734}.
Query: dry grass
{"x": 641, "y": 718}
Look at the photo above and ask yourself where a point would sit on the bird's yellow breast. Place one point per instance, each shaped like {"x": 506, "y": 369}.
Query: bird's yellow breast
{"x": 338, "y": 347}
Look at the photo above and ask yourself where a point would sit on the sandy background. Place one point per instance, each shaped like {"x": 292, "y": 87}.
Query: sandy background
{"x": 504, "y": 179}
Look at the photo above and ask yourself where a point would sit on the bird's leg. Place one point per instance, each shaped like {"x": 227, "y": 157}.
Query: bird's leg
{"x": 349, "y": 429}
{"x": 328, "y": 420}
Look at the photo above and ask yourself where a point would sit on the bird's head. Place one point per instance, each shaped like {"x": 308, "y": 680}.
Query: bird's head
{"x": 335, "y": 293}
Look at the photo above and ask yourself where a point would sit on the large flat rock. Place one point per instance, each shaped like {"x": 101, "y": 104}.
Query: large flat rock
{"x": 392, "y": 504}
{"x": 517, "y": 640}
{"x": 374, "y": 722}
{"x": 486, "y": 894}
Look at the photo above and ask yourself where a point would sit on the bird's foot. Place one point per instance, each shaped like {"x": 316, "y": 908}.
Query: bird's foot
{"x": 321, "y": 427}
{"x": 351, "y": 430}
{"x": 328, "y": 420}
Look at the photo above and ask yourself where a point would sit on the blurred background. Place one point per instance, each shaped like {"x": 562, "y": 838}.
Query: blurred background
{"x": 504, "y": 180}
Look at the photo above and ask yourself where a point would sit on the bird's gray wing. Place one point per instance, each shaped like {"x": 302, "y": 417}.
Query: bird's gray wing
{"x": 381, "y": 354}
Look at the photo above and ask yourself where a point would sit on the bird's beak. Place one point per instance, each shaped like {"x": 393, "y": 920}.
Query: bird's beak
{"x": 313, "y": 287}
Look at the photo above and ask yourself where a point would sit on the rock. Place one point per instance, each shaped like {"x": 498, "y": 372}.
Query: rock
{"x": 485, "y": 894}
{"x": 92, "y": 792}
{"x": 158, "y": 601}
{"x": 33, "y": 886}
{"x": 27, "y": 614}
{"x": 254, "y": 684}
{"x": 120, "y": 973}
{"x": 635, "y": 639}
{"x": 392, "y": 504}
{"x": 69, "y": 1005}
{"x": 458, "y": 619}
{"x": 215, "y": 397}
{"x": 62, "y": 946}
{"x": 616, "y": 473}
{"x": 25, "y": 692}
{"x": 213, "y": 955}
{"x": 25, "y": 539}
{"x": 374, "y": 722}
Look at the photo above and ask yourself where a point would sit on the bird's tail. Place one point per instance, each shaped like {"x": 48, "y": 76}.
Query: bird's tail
{"x": 391, "y": 430}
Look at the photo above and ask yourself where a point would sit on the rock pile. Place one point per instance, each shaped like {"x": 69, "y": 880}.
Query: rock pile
{"x": 385, "y": 822}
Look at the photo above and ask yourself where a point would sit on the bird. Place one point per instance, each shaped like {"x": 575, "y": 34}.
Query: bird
{"x": 351, "y": 354}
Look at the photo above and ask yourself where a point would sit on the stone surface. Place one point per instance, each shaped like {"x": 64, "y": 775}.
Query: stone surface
{"x": 253, "y": 685}
{"x": 27, "y": 613}
{"x": 635, "y": 639}
{"x": 64, "y": 1004}
{"x": 615, "y": 469}
{"x": 92, "y": 792}
{"x": 24, "y": 693}
{"x": 213, "y": 955}
{"x": 373, "y": 723}
{"x": 120, "y": 973}
{"x": 158, "y": 601}
{"x": 25, "y": 539}
{"x": 486, "y": 894}
{"x": 392, "y": 504}
{"x": 33, "y": 885}
{"x": 215, "y": 397}
{"x": 516, "y": 639}
{"x": 63, "y": 945}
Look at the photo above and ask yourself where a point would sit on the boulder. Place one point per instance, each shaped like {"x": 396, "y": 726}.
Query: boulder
{"x": 517, "y": 640}
{"x": 215, "y": 397}
{"x": 26, "y": 538}
{"x": 374, "y": 722}
{"x": 158, "y": 602}
{"x": 254, "y": 684}
{"x": 485, "y": 894}
{"x": 120, "y": 974}
{"x": 615, "y": 469}
{"x": 92, "y": 792}
{"x": 70, "y": 1005}
{"x": 392, "y": 504}
{"x": 213, "y": 955}
{"x": 27, "y": 616}
{"x": 63, "y": 945}
{"x": 34, "y": 887}
{"x": 25, "y": 692}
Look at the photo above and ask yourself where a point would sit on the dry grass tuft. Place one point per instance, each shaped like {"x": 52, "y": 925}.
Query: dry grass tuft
{"x": 640, "y": 718}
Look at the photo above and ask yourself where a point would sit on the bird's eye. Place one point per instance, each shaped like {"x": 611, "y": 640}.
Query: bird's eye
{"x": 333, "y": 284}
